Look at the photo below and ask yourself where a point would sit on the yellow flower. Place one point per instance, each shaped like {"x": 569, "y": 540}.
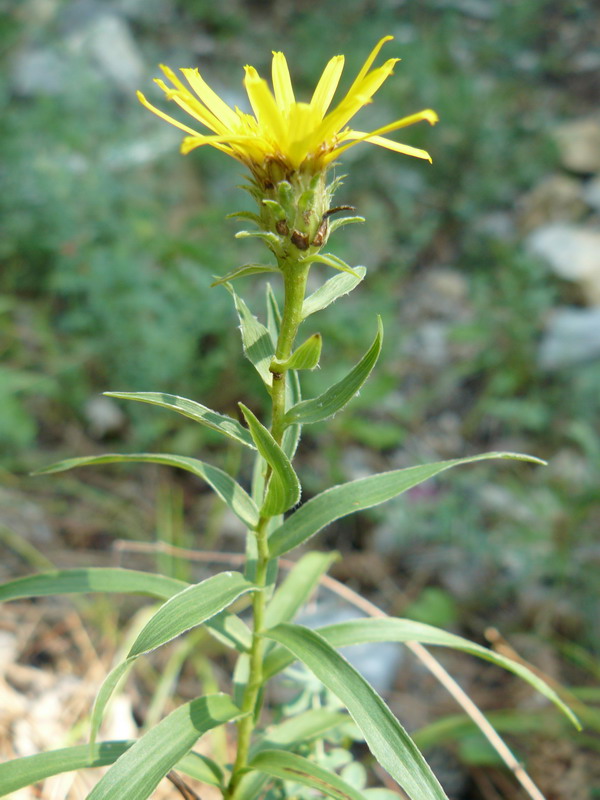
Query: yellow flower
{"x": 285, "y": 136}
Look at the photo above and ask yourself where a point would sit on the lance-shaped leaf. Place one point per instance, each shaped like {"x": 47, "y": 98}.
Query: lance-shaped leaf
{"x": 283, "y": 490}
{"x": 304, "y": 357}
{"x": 193, "y": 606}
{"x": 137, "y": 773}
{"x": 331, "y": 261}
{"x": 291, "y": 435}
{"x": 388, "y": 741}
{"x": 339, "y": 501}
{"x": 291, "y": 767}
{"x": 243, "y": 272}
{"x": 92, "y": 579}
{"x": 335, "y": 287}
{"x": 238, "y": 500}
{"x": 27, "y": 770}
{"x": 297, "y": 587}
{"x": 392, "y": 629}
{"x": 302, "y": 728}
{"x": 338, "y": 395}
{"x": 189, "y": 408}
{"x": 271, "y": 239}
{"x": 256, "y": 341}
{"x": 273, "y": 315}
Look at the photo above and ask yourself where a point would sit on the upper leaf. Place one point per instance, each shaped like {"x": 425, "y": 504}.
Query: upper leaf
{"x": 283, "y": 490}
{"x": 189, "y": 408}
{"x": 244, "y": 271}
{"x": 304, "y": 357}
{"x": 339, "y": 501}
{"x": 386, "y": 738}
{"x": 332, "y": 289}
{"x": 256, "y": 340}
{"x": 338, "y": 395}
{"x": 297, "y": 587}
{"x": 238, "y": 500}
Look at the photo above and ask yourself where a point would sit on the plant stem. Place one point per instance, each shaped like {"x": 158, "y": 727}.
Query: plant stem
{"x": 295, "y": 276}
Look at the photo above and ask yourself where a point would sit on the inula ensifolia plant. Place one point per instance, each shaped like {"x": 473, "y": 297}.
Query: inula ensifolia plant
{"x": 288, "y": 147}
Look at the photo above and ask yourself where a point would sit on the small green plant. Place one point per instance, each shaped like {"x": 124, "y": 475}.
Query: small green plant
{"x": 288, "y": 147}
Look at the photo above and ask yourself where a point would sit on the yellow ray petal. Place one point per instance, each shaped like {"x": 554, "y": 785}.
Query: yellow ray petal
{"x": 211, "y": 99}
{"x": 282, "y": 83}
{"x": 359, "y": 136}
{"x": 265, "y": 108}
{"x": 367, "y": 65}
{"x": 328, "y": 83}
{"x": 164, "y": 116}
{"x": 354, "y": 101}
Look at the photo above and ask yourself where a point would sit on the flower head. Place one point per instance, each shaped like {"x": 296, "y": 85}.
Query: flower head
{"x": 284, "y": 137}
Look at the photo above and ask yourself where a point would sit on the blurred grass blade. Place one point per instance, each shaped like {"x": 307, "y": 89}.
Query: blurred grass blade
{"x": 93, "y": 579}
{"x": 256, "y": 340}
{"x": 335, "y": 287}
{"x": 297, "y": 587}
{"x": 190, "y": 608}
{"x": 189, "y": 408}
{"x": 283, "y": 490}
{"x": 388, "y": 741}
{"x": 242, "y": 272}
{"x": 137, "y": 773}
{"x": 392, "y": 629}
{"x": 337, "y": 396}
{"x": 292, "y": 767}
{"x": 238, "y": 500}
{"x": 339, "y": 501}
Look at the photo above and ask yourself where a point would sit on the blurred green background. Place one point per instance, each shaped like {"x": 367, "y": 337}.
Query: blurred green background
{"x": 485, "y": 267}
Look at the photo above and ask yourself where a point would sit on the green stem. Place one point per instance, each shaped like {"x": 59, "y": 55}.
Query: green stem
{"x": 295, "y": 276}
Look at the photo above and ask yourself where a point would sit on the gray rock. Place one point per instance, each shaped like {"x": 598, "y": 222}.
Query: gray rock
{"x": 113, "y": 48}
{"x": 429, "y": 344}
{"x": 24, "y": 518}
{"x": 38, "y": 72}
{"x": 579, "y": 145}
{"x": 104, "y": 417}
{"x": 144, "y": 10}
{"x": 591, "y": 193}
{"x": 556, "y": 198}
{"x": 573, "y": 253}
{"x": 572, "y": 336}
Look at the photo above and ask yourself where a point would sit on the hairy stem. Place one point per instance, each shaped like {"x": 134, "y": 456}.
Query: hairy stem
{"x": 295, "y": 276}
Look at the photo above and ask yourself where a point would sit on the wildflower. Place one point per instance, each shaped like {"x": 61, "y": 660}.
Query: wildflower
{"x": 284, "y": 137}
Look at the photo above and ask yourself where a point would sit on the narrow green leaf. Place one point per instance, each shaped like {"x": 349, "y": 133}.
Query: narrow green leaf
{"x": 335, "y": 287}
{"x": 190, "y": 608}
{"x": 231, "y": 631}
{"x": 256, "y": 341}
{"x": 195, "y": 605}
{"x": 392, "y": 629}
{"x": 93, "y": 579}
{"x": 339, "y": 501}
{"x": 291, "y": 767}
{"x": 245, "y": 214}
{"x": 188, "y": 408}
{"x": 238, "y": 500}
{"x": 310, "y": 725}
{"x": 27, "y": 770}
{"x": 283, "y": 490}
{"x": 293, "y": 395}
{"x": 304, "y": 357}
{"x": 386, "y": 738}
{"x": 137, "y": 772}
{"x": 340, "y": 394}
{"x": 273, "y": 315}
{"x": 297, "y": 587}
{"x": 243, "y": 272}
{"x": 332, "y": 261}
